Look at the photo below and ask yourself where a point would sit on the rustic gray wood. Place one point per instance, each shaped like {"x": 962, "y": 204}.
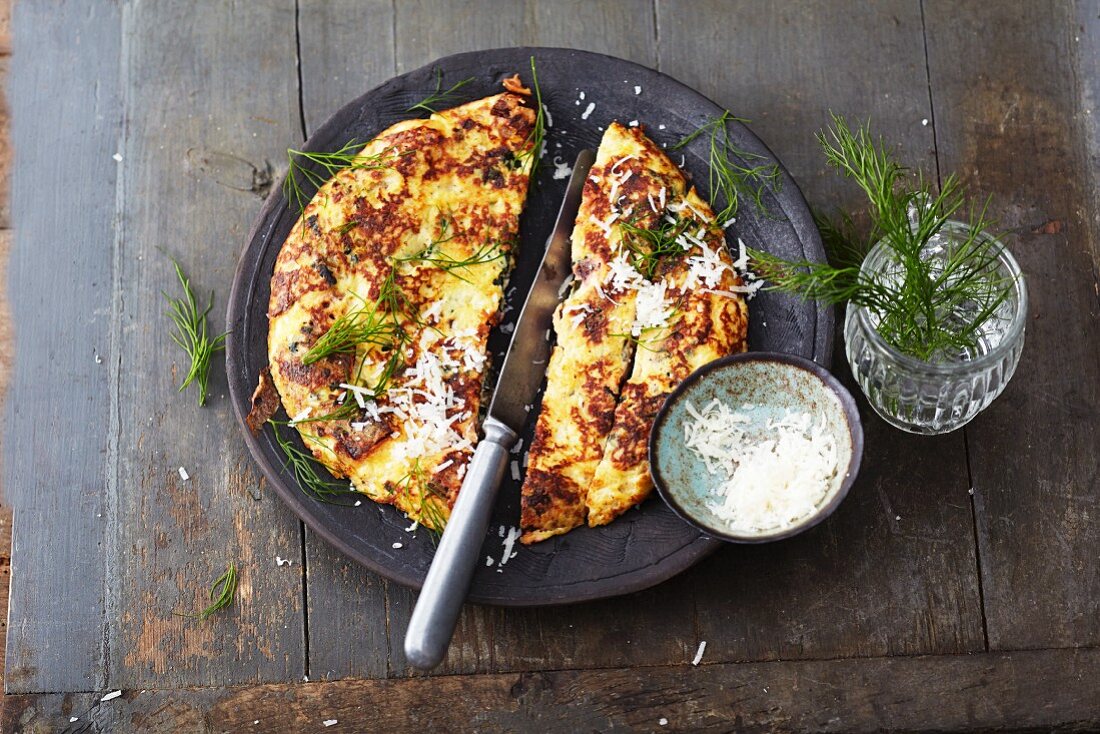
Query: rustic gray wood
{"x": 57, "y": 416}
{"x": 893, "y": 571}
{"x": 211, "y": 98}
{"x": 1013, "y": 122}
{"x": 1030, "y": 691}
{"x": 201, "y": 104}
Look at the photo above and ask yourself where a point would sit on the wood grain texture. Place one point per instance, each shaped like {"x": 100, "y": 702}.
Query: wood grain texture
{"x": 429, "y": 29}
{"x": 207, "y": 111}
{"x": 1028, "y": 691}
{"x": 56, "y": 631}
{"x": 893, "y": 571}
{"x": 1013, "y": 122}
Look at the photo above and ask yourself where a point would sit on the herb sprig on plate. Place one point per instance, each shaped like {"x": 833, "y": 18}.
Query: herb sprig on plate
{"x": 537, "y": 136}
{"x": 918, "y": 306}
{"x": 301, "y": 177}
{"x": 191, "y": 334}
{"x": 733, "y": 172}
{"x": 305, "y": 469}
{"x": 439, "y": 97}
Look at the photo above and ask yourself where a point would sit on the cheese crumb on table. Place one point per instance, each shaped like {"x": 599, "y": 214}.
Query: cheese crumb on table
{"x": 699, "y": 652}
{"x": 112, "y": 695}
{"x": 183, "y": 474}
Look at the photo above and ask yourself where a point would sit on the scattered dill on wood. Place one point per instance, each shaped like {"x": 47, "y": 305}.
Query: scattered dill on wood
{"x": 191, "y": 334}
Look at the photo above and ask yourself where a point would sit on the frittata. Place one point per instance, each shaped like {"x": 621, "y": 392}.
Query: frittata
{"x": 384, "y": 294}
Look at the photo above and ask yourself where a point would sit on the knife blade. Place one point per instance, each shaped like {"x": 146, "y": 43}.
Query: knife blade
{"x": 520, "y": 376}
{"x": 433, "y": 619}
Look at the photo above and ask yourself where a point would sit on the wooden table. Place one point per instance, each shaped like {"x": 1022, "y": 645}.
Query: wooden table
{"x": 958, "y": 586}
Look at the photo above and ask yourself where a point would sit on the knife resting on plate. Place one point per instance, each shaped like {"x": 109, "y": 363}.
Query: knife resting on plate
{"x": 436, "y": 611}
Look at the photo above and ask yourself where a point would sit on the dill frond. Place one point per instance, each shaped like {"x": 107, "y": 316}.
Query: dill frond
{"x": 733, "y": 172}
{"x": 304, "y": 466}
{"x": 191, "y": 334}
{"x": 917, "y": 306}
{"x": 222, "y": 594}
{"x": 301, "y": 177}
{"x": 439, "y": 97}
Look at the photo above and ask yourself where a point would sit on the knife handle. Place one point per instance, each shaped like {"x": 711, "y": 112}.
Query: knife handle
{"x": 436, "y": 612}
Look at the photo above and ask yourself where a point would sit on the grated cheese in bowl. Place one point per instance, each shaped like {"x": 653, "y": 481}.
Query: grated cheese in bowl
{"x": 767, "y": 474}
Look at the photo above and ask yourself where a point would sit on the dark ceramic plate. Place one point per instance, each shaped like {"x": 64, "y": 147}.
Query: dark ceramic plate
{"x": 645, "y": 546}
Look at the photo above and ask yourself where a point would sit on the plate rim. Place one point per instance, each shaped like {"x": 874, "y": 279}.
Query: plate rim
{"x": 791, "y": 202}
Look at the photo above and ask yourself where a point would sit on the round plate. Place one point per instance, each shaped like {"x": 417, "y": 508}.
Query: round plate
{"x": 648, "y": 544}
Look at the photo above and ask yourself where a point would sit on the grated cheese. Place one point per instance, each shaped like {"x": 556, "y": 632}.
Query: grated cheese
{"x": 509, "y": 544}
{"x": 564, "y": 287}
{"x": 705, "y": 268}
{"x": 766, "y": 481}
{"x": 588, "y": 110}
{"x": 653, "y": 309}
{"x": 616, "y": 164}
{"x": 183, "y": 474}
{"x": 699, "y": 652}
{"x": 562, "y": 169}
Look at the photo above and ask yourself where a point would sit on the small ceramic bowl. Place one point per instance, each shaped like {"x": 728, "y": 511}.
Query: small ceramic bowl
{"x": 765, "y": 385}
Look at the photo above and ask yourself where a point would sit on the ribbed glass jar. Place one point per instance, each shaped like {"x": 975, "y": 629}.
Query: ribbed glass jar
{"x": 932, "y": 397}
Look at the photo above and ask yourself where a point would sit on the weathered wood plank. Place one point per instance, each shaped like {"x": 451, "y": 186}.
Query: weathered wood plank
{"x": 1034, "y": 690}
{"x": 1013, "y": 122}
{"x": 429, "y": 29}
{"x": 211, "y": 100}
{"x": 894, "y": 570}
{"x": 63, "y": 246}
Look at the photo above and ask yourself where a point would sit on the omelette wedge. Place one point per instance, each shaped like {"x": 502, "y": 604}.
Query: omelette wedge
{"x": 708, "y": 320}
{"x": 593, "y": 351}
{"x": 384, "y": 294}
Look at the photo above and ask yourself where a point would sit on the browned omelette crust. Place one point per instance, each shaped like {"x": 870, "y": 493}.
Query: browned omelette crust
{"x": 707, "y": 326}
{"x": 465, "y": 169}
{"x": 592, "y": 355}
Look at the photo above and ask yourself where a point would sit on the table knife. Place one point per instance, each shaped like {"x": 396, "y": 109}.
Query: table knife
{"x": 436, "y": 612}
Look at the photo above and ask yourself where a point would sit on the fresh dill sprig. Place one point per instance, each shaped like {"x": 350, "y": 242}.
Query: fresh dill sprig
{"x": 439, "y": 98}
{"x": 537, "y": 136}
{"x": 647, "y": 247}
{"x": 365, "y": 324}
{"x": 304, "y": 466}
{"x": 429, "y": 499}
{"x": 222, "y": 594}
{"x": 919, "y": 304}
{"x": 733, "y": 172}
{"x": 191, "y": 334}
{"x": 431, "y": 254}
{"x": 300, "y": 176}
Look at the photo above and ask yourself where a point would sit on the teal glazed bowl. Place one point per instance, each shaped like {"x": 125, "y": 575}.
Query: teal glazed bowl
{"x": 765, "y": 385}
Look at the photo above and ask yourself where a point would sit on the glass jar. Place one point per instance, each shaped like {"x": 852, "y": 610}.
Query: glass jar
{"x": 932, "y": 397}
